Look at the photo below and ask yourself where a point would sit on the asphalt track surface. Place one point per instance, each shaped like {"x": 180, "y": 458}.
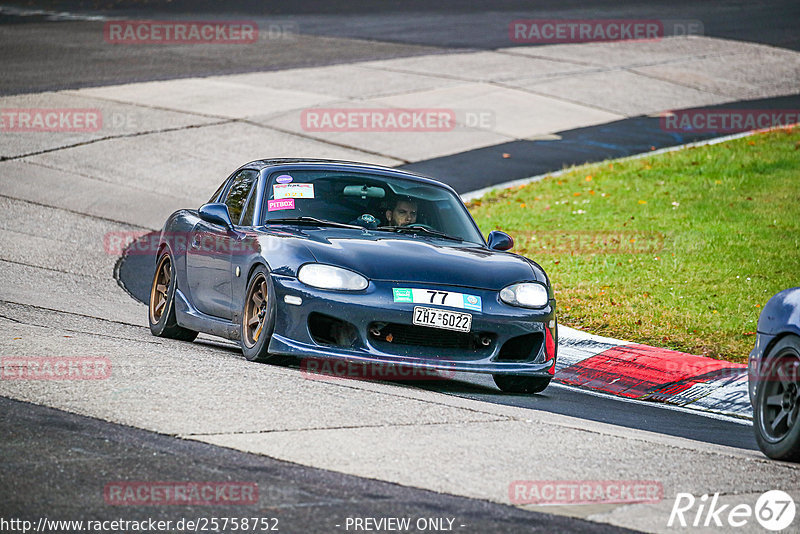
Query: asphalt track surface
{"x": 56, "y": 466}
{"x": 72, "y": 457}
{"x": 40, "y": 54}
{"x": 492, "y": 165}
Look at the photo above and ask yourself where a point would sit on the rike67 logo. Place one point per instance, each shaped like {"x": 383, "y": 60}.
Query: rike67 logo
{"x": 774, "y": 511}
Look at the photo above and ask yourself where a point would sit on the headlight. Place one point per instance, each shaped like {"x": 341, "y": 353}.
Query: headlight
{"x": 527, "y": 295}
{"x": 330, "y": 277}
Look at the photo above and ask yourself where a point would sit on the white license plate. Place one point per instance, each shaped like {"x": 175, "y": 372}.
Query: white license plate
{"x": 448, "y": 320}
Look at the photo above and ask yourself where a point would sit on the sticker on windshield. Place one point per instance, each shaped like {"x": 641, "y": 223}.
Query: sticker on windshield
{"x": 284, "y": 179}
{"x": 293, "y": 191}
{"x": 440, "y": 298}
{"x": 284, "y": 204}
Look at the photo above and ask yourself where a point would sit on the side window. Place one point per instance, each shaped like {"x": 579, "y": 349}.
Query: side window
{"x": 216, "y": 194}
{"x": 238, "y": 191}
{"x": 250, "y": 211}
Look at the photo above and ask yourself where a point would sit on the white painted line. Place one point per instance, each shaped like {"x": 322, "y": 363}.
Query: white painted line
{"x": 49, "y": 15}
{"x": 663, "y": 406}
{"x": 566, "y": 332}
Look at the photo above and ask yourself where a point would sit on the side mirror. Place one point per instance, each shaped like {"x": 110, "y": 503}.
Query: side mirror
{"x": 500, "y": 240}
{"x": 216, "y": 213}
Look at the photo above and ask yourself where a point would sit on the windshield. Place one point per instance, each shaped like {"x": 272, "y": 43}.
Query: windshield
{"x": 369, "y": 201}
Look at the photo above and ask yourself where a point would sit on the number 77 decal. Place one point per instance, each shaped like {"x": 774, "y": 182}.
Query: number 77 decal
{"x": 439, "y": 298}
{"x": 434, "y": 293}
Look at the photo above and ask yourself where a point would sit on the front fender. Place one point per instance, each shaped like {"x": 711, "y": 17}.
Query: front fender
{"x": 174, "y": 238}
{"x": 781, "y": 314}
{"x": 280, "y": 254}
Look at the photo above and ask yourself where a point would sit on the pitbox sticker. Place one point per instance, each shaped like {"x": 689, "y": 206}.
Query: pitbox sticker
{"x": 282, "y": 204}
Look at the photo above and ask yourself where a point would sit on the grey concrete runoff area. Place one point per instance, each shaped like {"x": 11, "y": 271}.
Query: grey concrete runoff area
{"x": 166, "y": 144}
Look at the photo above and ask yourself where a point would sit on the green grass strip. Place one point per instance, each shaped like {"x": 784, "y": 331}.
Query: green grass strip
{"x": 679, "y": 250}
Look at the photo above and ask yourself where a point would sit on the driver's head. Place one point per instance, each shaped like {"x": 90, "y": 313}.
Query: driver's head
{"x": 402, "y": 211}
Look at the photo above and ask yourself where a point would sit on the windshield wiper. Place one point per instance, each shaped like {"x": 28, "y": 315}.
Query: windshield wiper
{"x": 312, "y": 220}
{"x": 417, "y": 230}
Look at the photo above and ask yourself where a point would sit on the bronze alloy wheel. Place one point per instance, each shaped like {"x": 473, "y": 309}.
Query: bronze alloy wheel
{"x": 159, "y": 293}
{"x": 255, "y": 310}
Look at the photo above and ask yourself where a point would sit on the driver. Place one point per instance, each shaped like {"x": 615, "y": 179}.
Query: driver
{"x": 402, "y": 212}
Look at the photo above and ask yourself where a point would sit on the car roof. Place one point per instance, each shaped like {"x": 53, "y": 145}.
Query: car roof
{"x": 280, "y": 164}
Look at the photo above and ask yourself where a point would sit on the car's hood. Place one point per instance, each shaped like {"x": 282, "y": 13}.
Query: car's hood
{"x": 417, "y": 259}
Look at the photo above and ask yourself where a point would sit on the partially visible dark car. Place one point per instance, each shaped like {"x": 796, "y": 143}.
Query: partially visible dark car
{"x": 774, "y": 377}
{"x": 299, "y": 258}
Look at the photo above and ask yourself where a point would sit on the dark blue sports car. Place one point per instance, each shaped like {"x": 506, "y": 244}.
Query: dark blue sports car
{"x": 774, "y": 373}
{"x": 327, "y": 259}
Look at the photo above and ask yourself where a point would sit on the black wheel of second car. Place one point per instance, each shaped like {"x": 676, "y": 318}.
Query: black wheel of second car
{"x": 521, "y": 384}
{"x": 161, "y": 308}
{"x": 258, "y": 316}
{"x": 776, "y": 410}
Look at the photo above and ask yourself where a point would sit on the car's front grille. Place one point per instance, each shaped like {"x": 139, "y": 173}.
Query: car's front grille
{"x": 521, "y": 348}
{"x": 422, "y": 336}
{"x": 327, "y": 330}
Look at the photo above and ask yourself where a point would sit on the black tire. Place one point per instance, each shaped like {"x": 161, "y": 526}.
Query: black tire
{"x": 161, "y": 307}
{"x": 521, "y": 384}
{"x": 776, "y": 410}
{"x": 254, "y": 339}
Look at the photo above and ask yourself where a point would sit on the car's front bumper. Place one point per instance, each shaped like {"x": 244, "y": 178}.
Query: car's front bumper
{"x": 364, "y": 310}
